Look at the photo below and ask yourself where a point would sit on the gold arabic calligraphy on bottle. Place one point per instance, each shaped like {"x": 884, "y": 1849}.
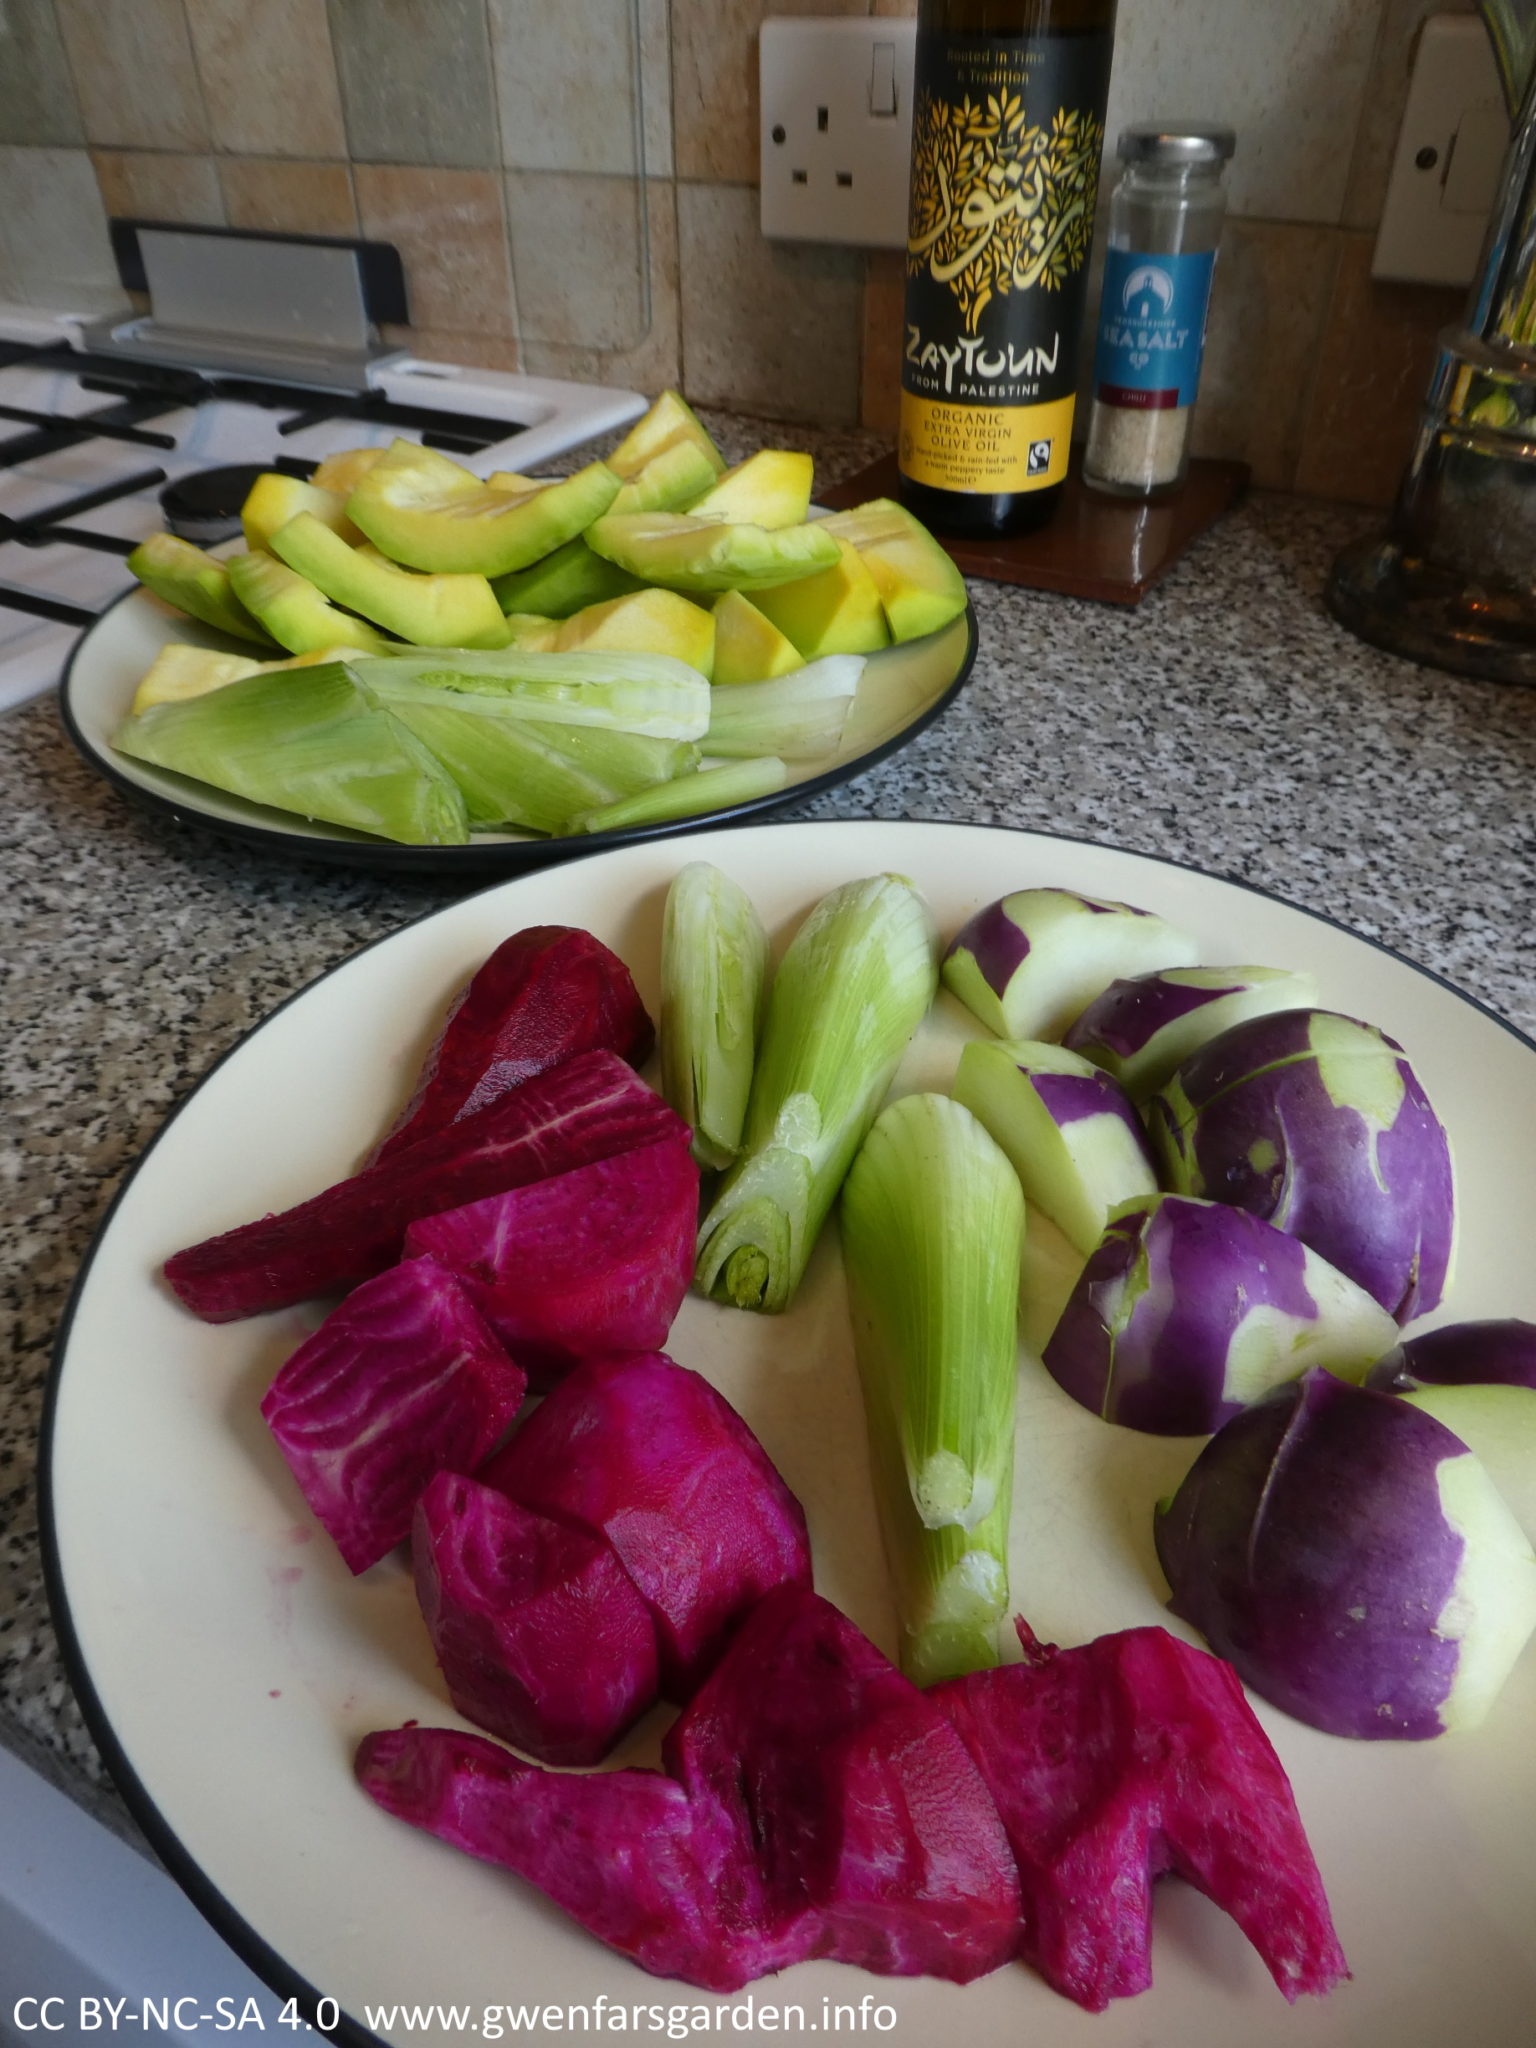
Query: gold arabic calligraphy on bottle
{"x": 999, "y": 203}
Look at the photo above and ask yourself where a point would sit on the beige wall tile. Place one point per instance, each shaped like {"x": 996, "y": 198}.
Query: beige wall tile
{"x": 53, "y": 232}
{"x": 1268, "y": 307}
{"x": 1288, "y": 78}
{"x": 1386, "y": 96}
{"x": 568, "y": 85}
{"x": 451, "y": 234}
{"x": 655, "y": 361}
{"x": 656, "y": 85}
{"x": 579, "y": 268}
{"x": 286, "y": 196}
{"x": 770, "y": 327}
{"x": 1372, "y": 373}
{"x": 37, "y": 94}
{"x": 134, "y": 73}
{"x": 439, "y": 345}
{"x": 141, "y": 184}
{"x": 714, "y": 81}
{"x": 885, "y": 283}
{"x": 269, "y": 76}
{"x": 416, "y": 83}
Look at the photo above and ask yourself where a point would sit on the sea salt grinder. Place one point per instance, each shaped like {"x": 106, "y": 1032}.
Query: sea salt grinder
{"x": 1164, "y": 224}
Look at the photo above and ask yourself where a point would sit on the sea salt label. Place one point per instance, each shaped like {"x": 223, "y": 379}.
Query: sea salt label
{"x": 1152, "y": 329}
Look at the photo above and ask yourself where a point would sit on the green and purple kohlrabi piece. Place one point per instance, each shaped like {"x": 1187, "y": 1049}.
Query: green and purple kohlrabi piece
{"x": 1317, "y": 1123}
{"x": 1496, "y": 1351}
{"x": 1353, "y": 1561}
{"x": 1188, "y": 1311}
{"x": 1028, "y": 964}
{"x": 1140, "y": 1030}
{"x": 1070, "y": 1134}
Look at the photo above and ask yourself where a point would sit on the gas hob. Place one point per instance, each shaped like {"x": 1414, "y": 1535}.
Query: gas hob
{"x": 90, "y": 440}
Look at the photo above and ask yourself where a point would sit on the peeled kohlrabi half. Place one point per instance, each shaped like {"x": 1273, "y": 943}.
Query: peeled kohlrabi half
{"x": 1498, "y": 1424}
{"x": 1142, "y": 1029}
{"x": 1353, "y": 1561}
{"x": 1318, "y": 1124}
{"x": 1029, "y": 963}
{"x": 1074, "y": 1141}
{"x": 1189, "y": 1311}
{"x": 1498, "y": 1351}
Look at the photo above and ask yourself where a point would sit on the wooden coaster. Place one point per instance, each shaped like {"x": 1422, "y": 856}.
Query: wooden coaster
{"x": 1112, "y": 549}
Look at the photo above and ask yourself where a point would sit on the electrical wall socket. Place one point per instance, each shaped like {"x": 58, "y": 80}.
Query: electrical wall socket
{"x": 836, "y": 128}
{"x": 1450, "y": 150}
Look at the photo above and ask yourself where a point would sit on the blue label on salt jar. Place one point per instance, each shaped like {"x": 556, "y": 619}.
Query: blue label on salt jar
{"x": 1152, "y": 328}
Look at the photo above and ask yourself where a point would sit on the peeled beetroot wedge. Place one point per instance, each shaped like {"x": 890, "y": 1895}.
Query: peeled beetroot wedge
{"x": 1113, "y": 1763}
{"x": 661, "y": 1878}
{"x": 586, "y": 1264}
{"x": 545, "y": 995}
{"x": 586, "y": 1108}
{"x": 864, "y": 1810}
{"x": 537, "y": 1626}
{"x": 648, "y": 1455}
{"x": 817, "y": 1805}
{"x": 400, "y": 1381}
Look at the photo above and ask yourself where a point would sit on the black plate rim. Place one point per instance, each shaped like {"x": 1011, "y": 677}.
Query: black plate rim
{"x": 503, "y": 858}
{"x": 264, "y": 1961}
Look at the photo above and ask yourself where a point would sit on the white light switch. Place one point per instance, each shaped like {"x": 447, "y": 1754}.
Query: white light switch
{"x": 1450, "y": 151}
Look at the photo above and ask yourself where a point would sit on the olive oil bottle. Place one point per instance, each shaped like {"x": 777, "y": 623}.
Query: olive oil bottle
{"x": 1007, "y": 133}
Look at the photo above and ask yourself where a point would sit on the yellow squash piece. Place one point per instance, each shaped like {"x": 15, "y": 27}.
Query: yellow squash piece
{"x": 429, "y": 513}
{"x": 178, "y": 672}
{"x": 274, "y": 499}
{"x": 429, "y": 611}
{"x": 836, "y": 612}
{"x": 527, "y": 629}
{"x": 195, "y": 583}
{"x": 645, "y": 622}
{"x": 343, "y": 472}
{"x": 919, "y": 585}
{"x": 749, "y": 648}
{"x": 771, "y": 488}
{"x": 294, "y": 612}
{"x": 669, "y": 420}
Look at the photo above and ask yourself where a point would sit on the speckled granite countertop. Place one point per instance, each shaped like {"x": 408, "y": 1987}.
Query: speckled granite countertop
{"x": 1227, "y": 722}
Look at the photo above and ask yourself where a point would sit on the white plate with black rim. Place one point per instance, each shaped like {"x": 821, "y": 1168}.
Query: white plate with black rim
{"x": 902, "y": 690}
{"x": 228, "y": 1663}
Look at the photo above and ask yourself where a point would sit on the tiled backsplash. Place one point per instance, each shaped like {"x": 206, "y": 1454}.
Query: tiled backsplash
{"x": 572, "y": 188}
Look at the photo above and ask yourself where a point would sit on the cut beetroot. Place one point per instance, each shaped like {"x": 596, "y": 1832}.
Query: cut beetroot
{"x": 865, "y": 1811}
{"x": 648, "y": 1455}
{"x": 585, "y": 1109}
{"x": 820, "y": 1806}
{"x": 545, "y": 995}
{"x": 1113, "y": 1763}
{"x": 537, "y": 1626}
{"x": 588, "y": 1264}
{"x": 400, "y": 1382}
{"x": 662, "y": 1878}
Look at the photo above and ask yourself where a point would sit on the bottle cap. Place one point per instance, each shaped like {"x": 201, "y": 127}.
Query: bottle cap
{"x": 1175, "y": 142}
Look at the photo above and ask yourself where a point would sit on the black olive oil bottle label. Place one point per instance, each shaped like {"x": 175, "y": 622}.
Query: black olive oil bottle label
{"x": 1007, "y": 134}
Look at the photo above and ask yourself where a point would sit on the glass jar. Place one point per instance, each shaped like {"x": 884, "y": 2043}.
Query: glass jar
{"x": 1164, "y": 224}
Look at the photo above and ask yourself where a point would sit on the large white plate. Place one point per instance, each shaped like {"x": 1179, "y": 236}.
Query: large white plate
{"x": 229, "y": 1663}
{"x": 902, "y": 690}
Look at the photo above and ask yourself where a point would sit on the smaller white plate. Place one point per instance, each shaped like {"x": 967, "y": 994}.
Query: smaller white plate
{"x": 901, "y": 690}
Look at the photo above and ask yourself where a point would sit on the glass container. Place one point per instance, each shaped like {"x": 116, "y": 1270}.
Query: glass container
{"x": 1164, "y": 225}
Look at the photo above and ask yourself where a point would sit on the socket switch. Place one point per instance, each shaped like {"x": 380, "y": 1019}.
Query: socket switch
{"x": 836, "y": 128}
{"x": 1450, "y": 150}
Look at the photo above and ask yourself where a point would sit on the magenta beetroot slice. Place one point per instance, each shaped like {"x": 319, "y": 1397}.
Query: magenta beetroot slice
{"x": 864, "y": 1808}
{"x": 545, "y": 995}
{"x": 628, "y": 1855}
{"x": 648, "y": 1455}
{"x": 537, "y": 1627}
{"x": 1113, "y": 1763}
{"x": 588, "y": 1264}
{"x": 400, "y": 1382}
{"x": 822, "y": 1807}
{"x": 587, "y": 1108}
